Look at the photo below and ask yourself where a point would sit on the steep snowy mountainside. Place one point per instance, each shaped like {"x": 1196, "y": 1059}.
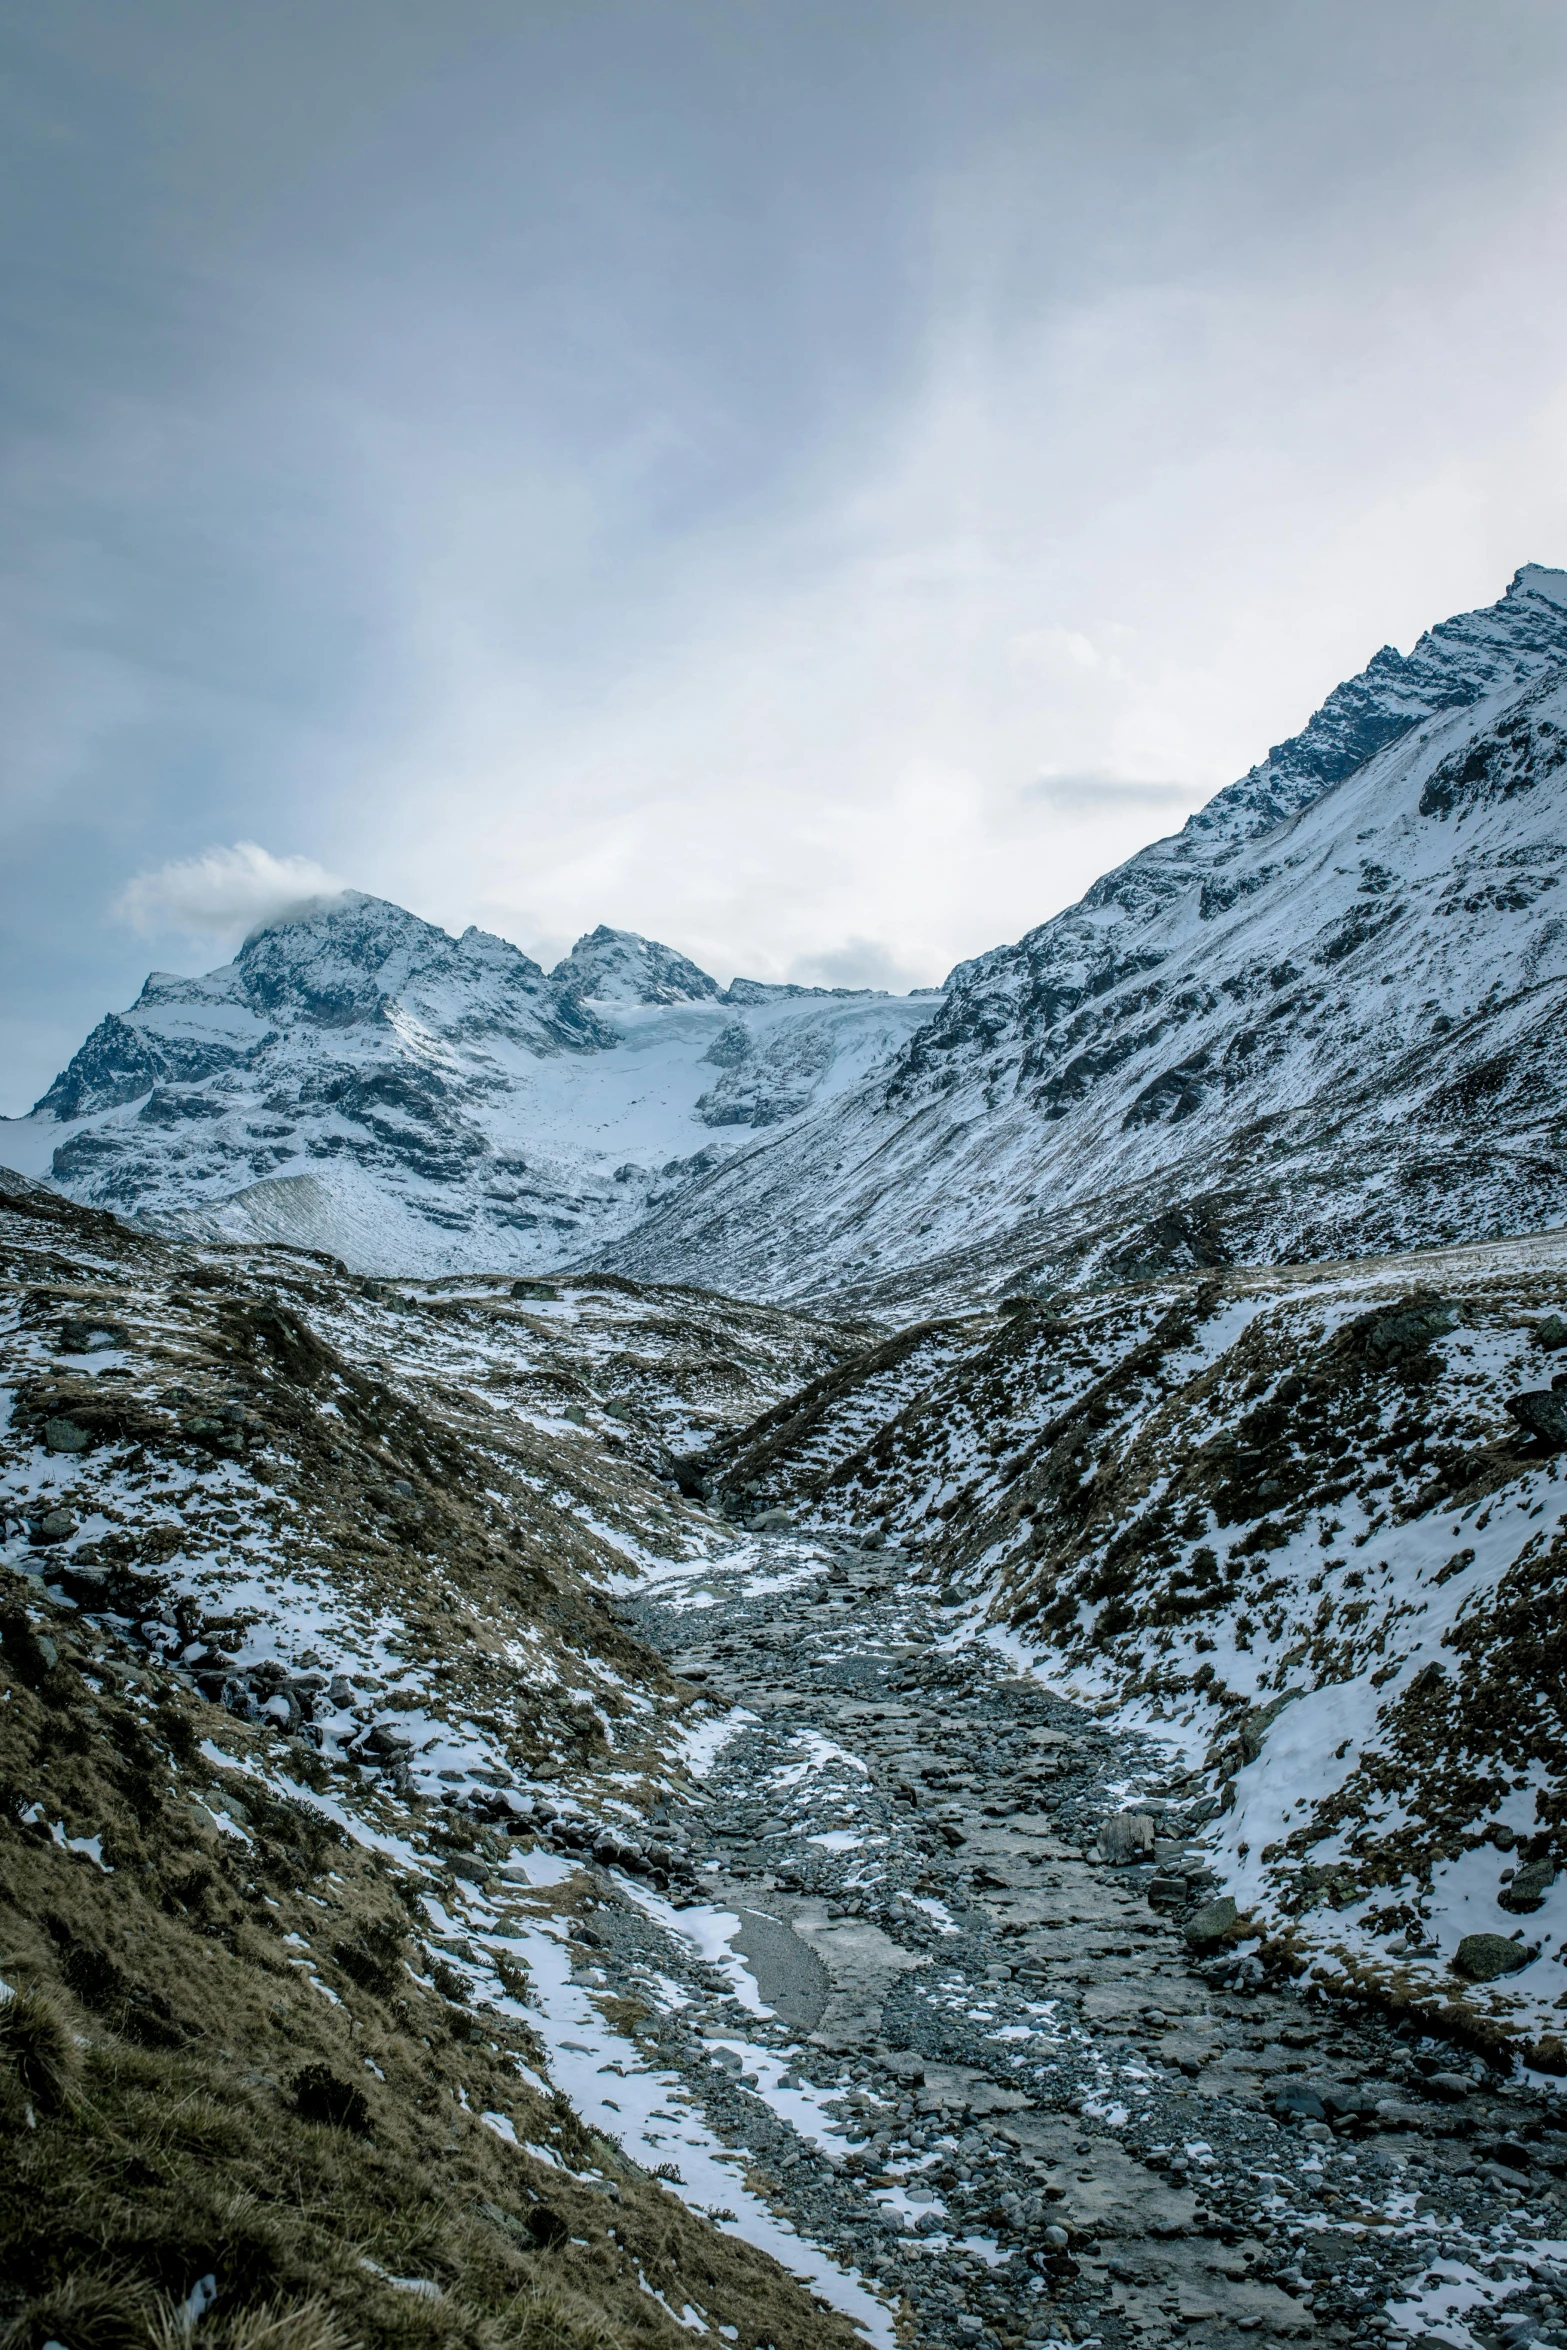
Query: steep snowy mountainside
{"x": 1309, "y": 1525}
{"x": 357, "y": 1080}
{"x": 1326, "y": 1016}
{"x": 1453, "y": 666}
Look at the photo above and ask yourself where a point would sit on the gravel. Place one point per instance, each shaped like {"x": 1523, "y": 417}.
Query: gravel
{"x": 1049, "y": 2114}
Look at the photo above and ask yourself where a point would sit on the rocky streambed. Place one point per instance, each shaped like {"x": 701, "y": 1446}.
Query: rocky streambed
{"x": 914, "y": 1975}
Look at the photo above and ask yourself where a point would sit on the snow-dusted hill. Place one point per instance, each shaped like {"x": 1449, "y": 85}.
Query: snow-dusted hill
{"x": 1307, "y": 1524}
{"x": 359, "y": 1081}
{"x": 1325, "y": 1018}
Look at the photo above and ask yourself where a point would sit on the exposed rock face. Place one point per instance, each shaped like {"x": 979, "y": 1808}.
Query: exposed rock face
{"x": 359, "y": 1081}
{"x": 617, "y": 967}
{"x": 1325, "y": 1017}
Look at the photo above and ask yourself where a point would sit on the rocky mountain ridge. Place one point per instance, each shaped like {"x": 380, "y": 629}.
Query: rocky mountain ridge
{"x": 358, "y": 1080}
{"x": 1326, "y": 1016}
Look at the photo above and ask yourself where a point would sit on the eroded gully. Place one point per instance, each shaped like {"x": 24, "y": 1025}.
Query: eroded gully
{"x": 953, "y": 2047}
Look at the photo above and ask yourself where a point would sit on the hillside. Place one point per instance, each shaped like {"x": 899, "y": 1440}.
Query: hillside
{"x": 1325, "y": 1018}
{"x": 307, "y": 1660}
{"x": 458, "y": 1887}
{"x": 1308, "y": 1527}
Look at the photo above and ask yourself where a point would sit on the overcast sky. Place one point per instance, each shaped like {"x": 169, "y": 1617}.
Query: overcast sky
{"x": 812, "y": 483}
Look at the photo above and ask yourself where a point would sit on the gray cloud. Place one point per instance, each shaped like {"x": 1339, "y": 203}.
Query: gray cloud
{"x": 859, "y": 962}
{"x": 678, "y": 467}
{"x": 1098, "y": 792}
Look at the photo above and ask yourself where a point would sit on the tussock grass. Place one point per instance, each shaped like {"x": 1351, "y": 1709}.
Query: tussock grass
{"x": 179, "y": 2101}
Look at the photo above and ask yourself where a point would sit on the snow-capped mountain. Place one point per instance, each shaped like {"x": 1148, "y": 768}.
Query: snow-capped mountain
{"x": 357, "y": 1080}
{"x": 1324, "y": 1019}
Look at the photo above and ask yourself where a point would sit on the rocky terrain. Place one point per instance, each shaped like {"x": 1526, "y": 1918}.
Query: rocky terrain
{"x": 1305, "y": 1525}
{"x": 1014, "y": 1799}
{"x": 559, "y": 1811}
{"x": 356, "y": 1080}
{"x": 1038, "y": 2100}
{"x": 304, "y": 1626}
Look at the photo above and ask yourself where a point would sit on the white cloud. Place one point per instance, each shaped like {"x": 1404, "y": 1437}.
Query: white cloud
{"x": 1097, "y": 793}
{"x": 225, "y": 893}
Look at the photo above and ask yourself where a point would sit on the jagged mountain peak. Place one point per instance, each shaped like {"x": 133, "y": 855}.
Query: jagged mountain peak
{"x": 1539, "y": 579}
{"x": 1325, "y": 1015}
{"x": 621, "y": 967}
{"x": 1323, "y": 1018}
{"x": 358, "y": 1080}
{"x": 342, "y": 960}
{"x": 1452, "y": 666}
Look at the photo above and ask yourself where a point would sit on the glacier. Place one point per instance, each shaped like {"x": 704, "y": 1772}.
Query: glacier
{"x": 359, "y": 1082}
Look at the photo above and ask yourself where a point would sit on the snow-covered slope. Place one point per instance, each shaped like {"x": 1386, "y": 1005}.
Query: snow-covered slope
{"x": 361, "y": 1082}
{"x": 1309, "y": 1525}
{"x": 1325, "y": 1018}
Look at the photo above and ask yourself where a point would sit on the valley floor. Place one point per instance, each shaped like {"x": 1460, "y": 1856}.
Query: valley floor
{"x": 964, "y": 2052}
{"x": 459, "y": 1890}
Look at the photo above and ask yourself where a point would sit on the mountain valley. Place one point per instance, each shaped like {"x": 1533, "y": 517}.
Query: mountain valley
{"x": 810, "y": 1667}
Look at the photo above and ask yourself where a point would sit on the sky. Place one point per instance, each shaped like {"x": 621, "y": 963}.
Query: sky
{"x": 812, "y": 483}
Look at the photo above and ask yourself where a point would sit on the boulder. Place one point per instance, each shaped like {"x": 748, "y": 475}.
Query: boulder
{"x": 1409, "y": 1330}
{"x": 1126, "y": 1838}
{"x": 1260, "y": 1720}
{"x": 1529, "y": 1887}
{"x": 1214, "y": 1922}
{"x": 1542, "y": 1412}
{"x": 1482, "y": 1957}
{"x": 1342, "y": 2098}
{"x": 1448, "y": 2086}
{"x": 65, "y": 1436}
{"x": 1298, "y": 2101}
{"x": 1397, "y": 2113}
{"x": 53, "y": 1526}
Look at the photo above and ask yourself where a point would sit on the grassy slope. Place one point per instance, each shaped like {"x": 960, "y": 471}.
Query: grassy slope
{"x": 230, "y": 2049}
